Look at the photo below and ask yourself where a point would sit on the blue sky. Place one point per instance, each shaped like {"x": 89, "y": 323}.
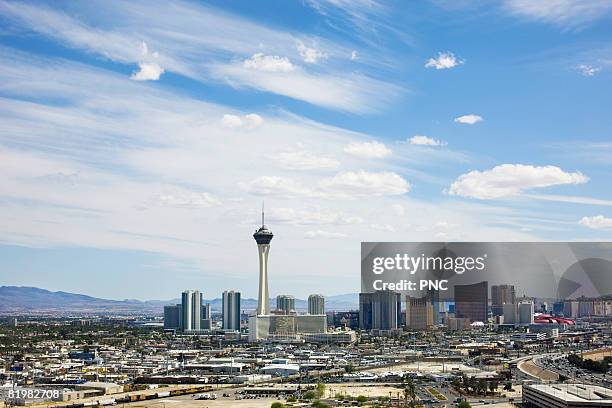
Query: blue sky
{"x": 137, "y": 142}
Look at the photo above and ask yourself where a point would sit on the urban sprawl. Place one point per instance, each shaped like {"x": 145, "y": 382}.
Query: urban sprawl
{"x": 489, "y": 346}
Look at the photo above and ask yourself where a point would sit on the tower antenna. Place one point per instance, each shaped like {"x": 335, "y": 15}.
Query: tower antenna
{"x": 263, "y": 203}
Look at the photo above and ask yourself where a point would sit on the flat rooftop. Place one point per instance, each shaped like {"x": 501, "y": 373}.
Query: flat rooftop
{"x": 576, "y": 392}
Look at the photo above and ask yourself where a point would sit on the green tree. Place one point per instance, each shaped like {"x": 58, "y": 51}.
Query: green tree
{"x": 310, "y": 395}
{"x": 493, "y": 386}
{"x": 361, "y": 399}
{"x": 321, "y": 389}
{"x": 276, "y": 405}
{"x": 464, "y": 404}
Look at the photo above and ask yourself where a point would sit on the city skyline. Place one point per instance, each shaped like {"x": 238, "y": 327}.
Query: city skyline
{"x": 137, "y": 142}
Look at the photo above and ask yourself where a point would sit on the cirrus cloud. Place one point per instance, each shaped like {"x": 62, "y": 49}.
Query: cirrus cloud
{"x": 344, "y": 185}
{"x": 305, "y": 160}
{"x": 249, "y": 121}
{"x": 510, "y": 180}
{"x": 324, "y": 234}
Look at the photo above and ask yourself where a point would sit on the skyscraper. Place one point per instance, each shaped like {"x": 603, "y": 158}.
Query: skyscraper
{"x": 419, "y": 312}
{"x": 231, "y": 310}
{"x": 285, "y": 304}
{"x": 172, "y": 317}
{"x": 187, "y": 310}
{"x": 471, "y": 301}
{"x": 196, "y": 316}
{"x": 263, "y": 236}
{"x": 191, "y": 310}
{"x": 316, "y": 305}
{"x": 501, "y": 295}
{"x": 263, "y": 324}
{"x": 380, "y": 310}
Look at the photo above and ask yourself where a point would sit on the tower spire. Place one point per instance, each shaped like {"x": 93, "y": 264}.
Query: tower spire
{"x": 263, "y": 203}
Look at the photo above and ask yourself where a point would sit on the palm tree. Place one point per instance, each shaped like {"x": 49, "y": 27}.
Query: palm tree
{"x": 409, "y": 388}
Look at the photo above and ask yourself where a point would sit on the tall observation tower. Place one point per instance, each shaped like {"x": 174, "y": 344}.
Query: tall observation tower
{"x": 263, "y": 236}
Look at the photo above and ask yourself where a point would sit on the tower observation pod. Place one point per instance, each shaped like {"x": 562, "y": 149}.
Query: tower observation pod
{"x": 263, "y": 236}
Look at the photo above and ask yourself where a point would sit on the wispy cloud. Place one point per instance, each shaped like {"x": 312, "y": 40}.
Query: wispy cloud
{"x": 469, "y": 119}
{"x": 420, "y": 140}
{"x": 570, "y": 13}
{"x": 205, "y": 44}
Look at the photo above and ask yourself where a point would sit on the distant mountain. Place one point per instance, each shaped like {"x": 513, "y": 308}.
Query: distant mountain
{"x": 22, "y": 299}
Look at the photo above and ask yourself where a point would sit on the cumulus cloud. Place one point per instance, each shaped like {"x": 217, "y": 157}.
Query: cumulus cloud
{"x": 354, "y": 55}
{"x": 444, "y": 60}
{"x": 249, "y": 121}
{"x": 323, "y": 235}
{"x": 189, "y": 200}
{"x": 469, "y": 119}
{"x": 309, "y": 54}
{"x": 305, "y": 160}
{"x": 596, "y": 222}
{"x": 345, "y": 185}
{"x": 588, "y": 70}
{"x": 363, "y": 183}
{"x": 425, "y": 141}
{"x": 148, "y": 71}
{"x": 368, "y": 150}
{"x": 510, "y": 180}
{"x": 269, "y": 63}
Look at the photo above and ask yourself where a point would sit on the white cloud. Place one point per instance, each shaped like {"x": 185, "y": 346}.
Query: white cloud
{"x": 354, "y": 55}
{"x": 398, "y": 209}
{"x": 511, "y": 179}
{"x": 311, "y": 216}
{"x": 562, "y": 12}
{"x": 269, "y": 63}
{"x": 596, "y": 222}
{"x": 588, "y": 70}
{"x": 363, "y": 183}
{"x": 383, "y": 227}
{"x": 196, "y": 43}
{"x": 249, "y": 121}
{"x": 279, "y": 187}
{"x": 149, "y": 71}
{"x": 425, "y": 141}
{"x": 345, "y": 185}
{"x": 345, "y": 91}
{"x": 189, "y": 200}
{"x": 368, "y": 150}
{"x": 319, "y": 234}
{"x": 310, "y": 55}
{"x": 445, "y": 60}
{"x": 469, "y": 119}
{"x": 305, "y": 160}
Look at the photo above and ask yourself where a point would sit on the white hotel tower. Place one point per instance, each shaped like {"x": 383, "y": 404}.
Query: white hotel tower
{"x": 266, "y": 325}
{"x": 263, "y": 236}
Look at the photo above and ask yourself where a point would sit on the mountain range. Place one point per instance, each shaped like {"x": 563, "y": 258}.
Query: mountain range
{"x": 31, "y": 300}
